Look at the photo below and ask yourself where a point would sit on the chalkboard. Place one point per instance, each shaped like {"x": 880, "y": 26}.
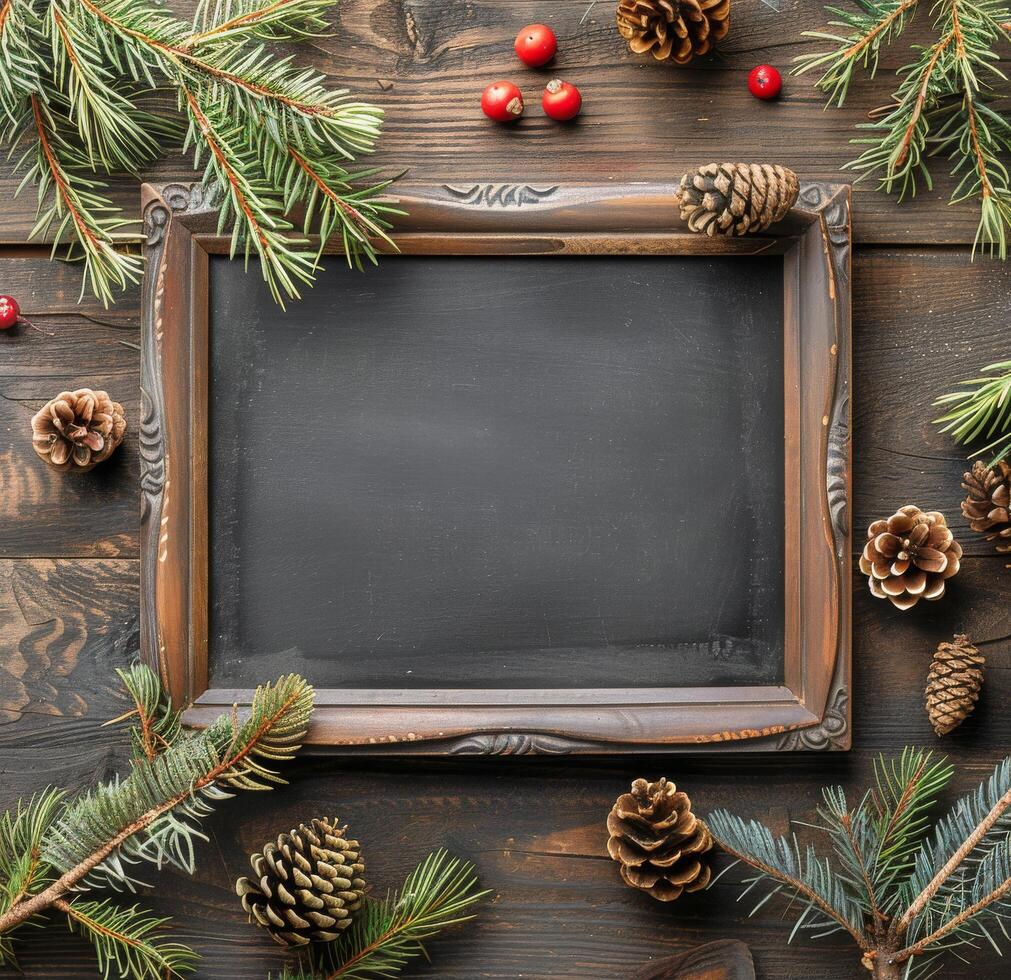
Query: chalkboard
{"x": 500, "y": 471}
{"x": 558, "y": 477}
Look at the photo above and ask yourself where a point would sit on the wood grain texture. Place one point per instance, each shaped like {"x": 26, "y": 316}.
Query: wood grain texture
{"x": 534, "y": 827}
{"x": 426, "y": 61}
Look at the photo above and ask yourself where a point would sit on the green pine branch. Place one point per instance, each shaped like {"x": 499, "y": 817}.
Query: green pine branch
{"x": 905, "y": 888}
{"x": 51, "y": 849}
{"x": 271, "y": 136}
{"x": 128, "y": 942}
{"x": 980, "y": 409}
{"x": 387, "y": 934}
{"x": 943, "y": 105}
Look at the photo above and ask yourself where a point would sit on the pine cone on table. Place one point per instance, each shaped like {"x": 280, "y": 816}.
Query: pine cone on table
{"x": 659, "y": 843}
{"x": 736, "y": 198}
{"x": 307, "y": 886}
{"x": 909, "y": 557}
{"x": 954, "y": 683}
{"x": 673, "y": 29}
{"x": 77, "y": 430}
{"x": 988, "y": 504}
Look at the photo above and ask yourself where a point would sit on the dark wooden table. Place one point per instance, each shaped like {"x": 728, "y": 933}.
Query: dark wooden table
{"x": 924, "y": 315}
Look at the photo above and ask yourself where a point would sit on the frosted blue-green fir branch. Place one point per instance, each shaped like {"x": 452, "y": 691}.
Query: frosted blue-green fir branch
{"x": 907, "y": 888}
{"x": 52, "y": 848}
{"x": 270, "y": 137}
{"x": 946, "y": 104}
{"x": 388, "y": 934}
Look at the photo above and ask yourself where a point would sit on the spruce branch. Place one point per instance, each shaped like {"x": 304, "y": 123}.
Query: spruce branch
{"x": 905, "y": 890}
{"x": 981, "y": 409}
{"x": 387, "y": 934}
{"x": 51, "y": 850}
{"x": 943, "y": 106}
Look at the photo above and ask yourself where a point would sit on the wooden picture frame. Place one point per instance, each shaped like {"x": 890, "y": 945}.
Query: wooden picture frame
{"x": 809, "y": 710}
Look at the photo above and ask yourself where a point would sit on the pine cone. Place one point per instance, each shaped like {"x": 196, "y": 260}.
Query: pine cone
{"x": 988, "y": 504}
{"x": 736, "y": 198}
{"x": 77, "y": 430}
{"x": 909, "y": 557}
{"x": 307, "y": 885}
{"x": 953, "y": 684}
{"x": 658, "y": 841}
{"x": 675, "y": 29}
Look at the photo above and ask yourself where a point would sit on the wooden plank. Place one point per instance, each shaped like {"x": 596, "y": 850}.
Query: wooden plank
{"x": 425, "y": 62}
{"x": 44, "y": 511}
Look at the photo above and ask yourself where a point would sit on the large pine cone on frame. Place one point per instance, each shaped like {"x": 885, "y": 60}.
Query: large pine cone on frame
{"x": 659, "y": 843}
{"x": 307, "y": 886}
{"x": 674, "y": 29}
{"x": 909, "y": 557}
{"x": 988, "y": 504}
{"x": 77, "y": 430}
{"x": 736, "y": 198}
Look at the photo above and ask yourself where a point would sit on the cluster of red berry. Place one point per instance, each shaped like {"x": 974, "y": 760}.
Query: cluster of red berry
{"x": 535, "y": 46}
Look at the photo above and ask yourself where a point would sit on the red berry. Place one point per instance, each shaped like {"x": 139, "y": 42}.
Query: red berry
{"x": 561, "y": 100}
{"x": 536, "y": 45}
{"x": 10, "y": 312}
{"x": 764, "y": 82}
{"x": 502, "y": 101}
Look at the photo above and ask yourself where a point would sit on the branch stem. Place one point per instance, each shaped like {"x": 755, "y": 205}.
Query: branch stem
{"x": 983, "y": 828}
{"x": 801, "y": 888}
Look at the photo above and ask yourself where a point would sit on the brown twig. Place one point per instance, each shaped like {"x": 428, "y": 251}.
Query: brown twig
{"x": 251, "y": 18}
{"x": 855, "y": 50}
{"x": 921, "y": 99}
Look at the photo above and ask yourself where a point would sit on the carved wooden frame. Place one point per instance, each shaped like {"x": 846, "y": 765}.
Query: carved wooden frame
{"x": 810, "y": 710}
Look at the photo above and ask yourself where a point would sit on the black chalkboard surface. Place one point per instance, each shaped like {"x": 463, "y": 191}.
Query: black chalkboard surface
{"x": 499, "y": 471}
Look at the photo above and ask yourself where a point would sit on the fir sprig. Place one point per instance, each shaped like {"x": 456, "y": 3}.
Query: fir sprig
{"x": 271, "y": 136}
{"x": 904, "y": 889}
{"x": 387, "y": 934}
{"x": 128, "y": 942}
{"x": 981, "y": 410}
{"x": 943, "y": 105}
{"x": 52, "y": 849}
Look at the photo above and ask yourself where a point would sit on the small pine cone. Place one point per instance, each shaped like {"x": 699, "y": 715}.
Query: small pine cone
{"x": 658, "y": 841}
{"x": 988, "y": 504}
{"x": 909, "y": 557}
{"x": 674, "y": 29}
{"x": 307, "y": 885}
{"x": 77, "y": 430}
{"x": 953, "y": 684}
{"x": 736, "y": 198}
